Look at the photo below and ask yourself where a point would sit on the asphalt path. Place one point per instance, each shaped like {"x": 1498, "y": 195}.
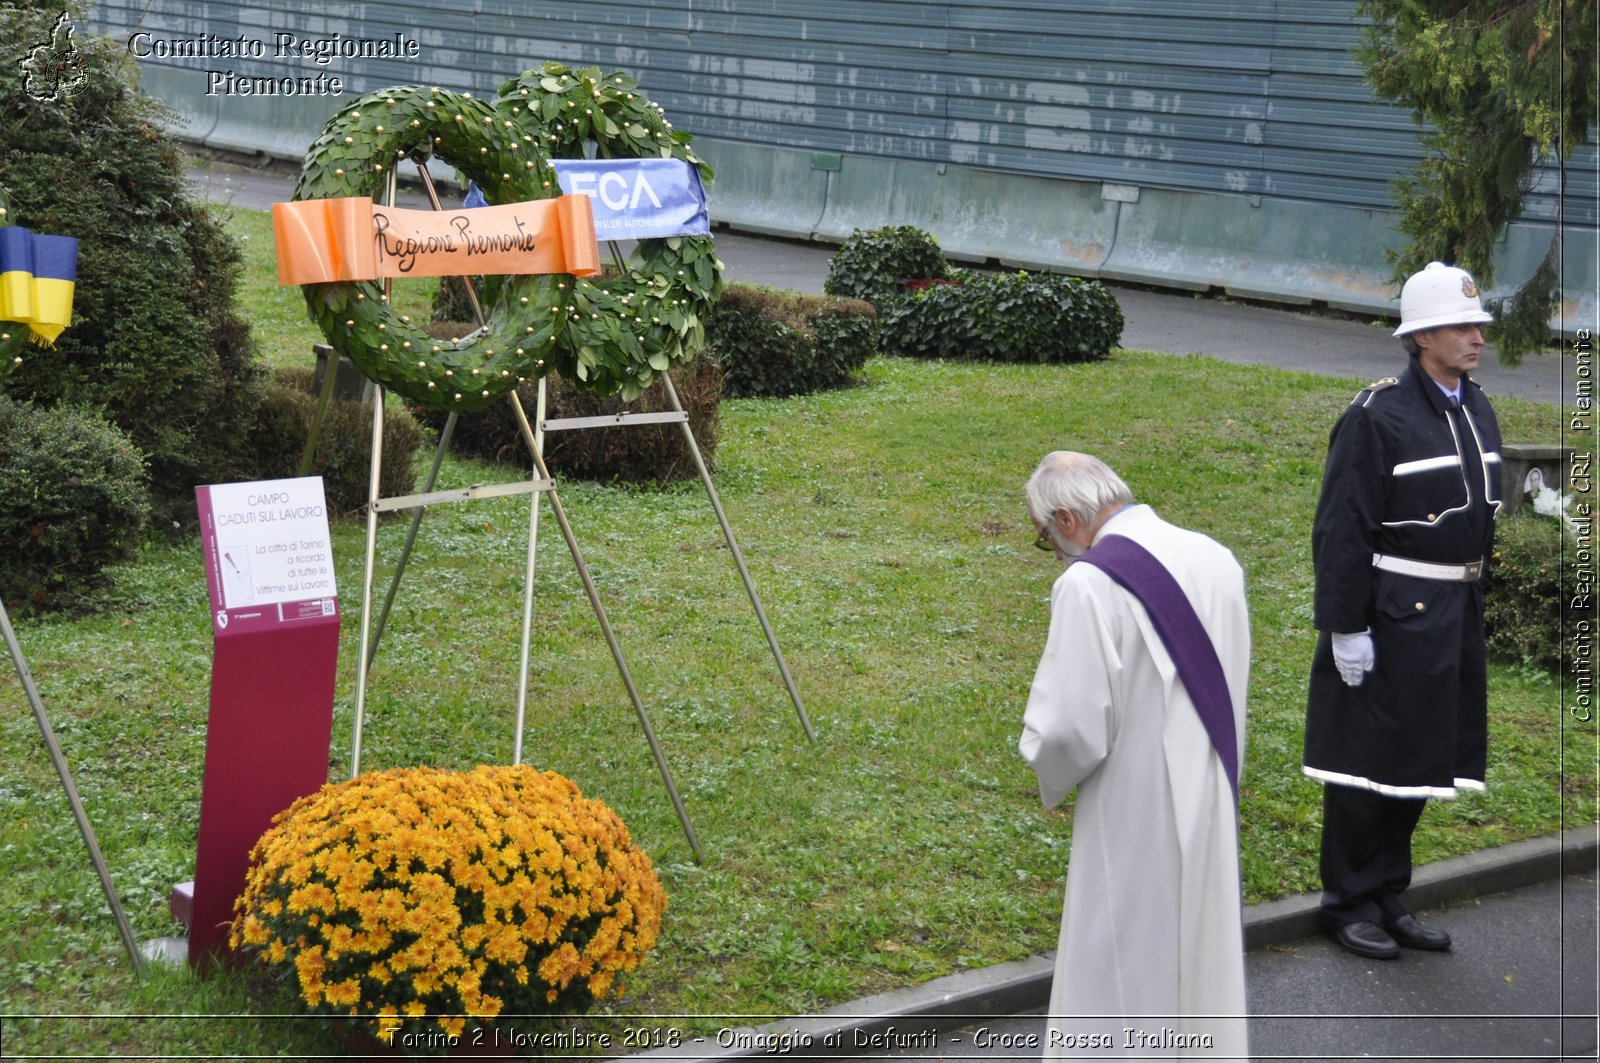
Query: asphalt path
{"x": 1331, "y": 344}
{"x": 1519, "y": 983}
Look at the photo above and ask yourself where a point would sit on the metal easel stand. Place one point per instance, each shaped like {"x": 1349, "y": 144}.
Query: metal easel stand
{"x": 682, "y": 418}
{"x": 600, "y": 615}
{"x": 70, "y": 789}
{"x": 540, "y": 484}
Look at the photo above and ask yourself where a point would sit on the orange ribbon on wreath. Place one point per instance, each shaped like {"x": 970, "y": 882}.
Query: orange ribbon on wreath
{"x": 352, "y": 239}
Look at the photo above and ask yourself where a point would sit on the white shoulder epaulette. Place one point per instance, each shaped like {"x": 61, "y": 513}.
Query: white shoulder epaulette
{"x": 1366, "y": 393}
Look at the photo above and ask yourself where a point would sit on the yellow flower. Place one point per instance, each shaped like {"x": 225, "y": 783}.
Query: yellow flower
{"x": 255, "y": 933}
{"x": 309, "y": 966}
{"x": 375, "y": 877}
{"x": 344, "y": 993}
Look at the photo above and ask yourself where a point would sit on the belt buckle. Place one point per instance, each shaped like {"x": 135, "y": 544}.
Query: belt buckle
{"x": 1473, "y": 569}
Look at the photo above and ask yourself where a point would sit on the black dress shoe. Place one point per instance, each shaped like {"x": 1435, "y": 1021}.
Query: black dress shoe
{"x": 1366, "y": 939}
{"x": 1409, "y": 931}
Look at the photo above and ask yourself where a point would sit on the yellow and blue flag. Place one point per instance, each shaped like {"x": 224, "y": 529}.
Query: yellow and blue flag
{"x": 37, "y": 276}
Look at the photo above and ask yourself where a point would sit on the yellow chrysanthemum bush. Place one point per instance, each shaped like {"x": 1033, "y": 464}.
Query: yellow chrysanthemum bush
{"x": 420, "y": 900}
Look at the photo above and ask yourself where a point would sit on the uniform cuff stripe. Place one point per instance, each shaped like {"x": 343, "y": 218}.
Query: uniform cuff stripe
{"x": 1362, "y": 783}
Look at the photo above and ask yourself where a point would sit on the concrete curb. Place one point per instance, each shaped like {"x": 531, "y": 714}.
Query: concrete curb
{"x": 911, "y": 1016}
{"x": 1506, "y": 867}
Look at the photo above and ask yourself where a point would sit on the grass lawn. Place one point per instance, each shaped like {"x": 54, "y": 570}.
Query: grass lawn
{"x": 885, "y": 529}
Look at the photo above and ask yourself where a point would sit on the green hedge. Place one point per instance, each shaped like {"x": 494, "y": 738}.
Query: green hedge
{"x": 872, "y": 263}
{"x": 1005, "y": 317}
{"x": 156, "y": 342}
{"x": 776, "y": 343}
{"x": 344, "y": 446}
{"x": 73, "y": 499}
{"x": 1530, "y": 588}
{"x": 647, "y": 453}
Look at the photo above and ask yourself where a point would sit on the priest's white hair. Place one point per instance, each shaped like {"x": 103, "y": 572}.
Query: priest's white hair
{"x": 1082, "y": 484}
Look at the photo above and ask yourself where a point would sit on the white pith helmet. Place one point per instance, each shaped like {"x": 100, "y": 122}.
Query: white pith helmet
{"x": 1438, "y": 295}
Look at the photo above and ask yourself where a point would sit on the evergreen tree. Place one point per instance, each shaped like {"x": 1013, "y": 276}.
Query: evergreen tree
{"x": 1501, "y": 83}
{"x": 156, "y": 344}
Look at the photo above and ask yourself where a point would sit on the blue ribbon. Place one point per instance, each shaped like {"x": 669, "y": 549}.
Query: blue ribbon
{"x": 633, "y": 199}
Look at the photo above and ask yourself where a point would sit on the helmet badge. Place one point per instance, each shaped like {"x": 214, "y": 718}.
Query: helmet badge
{"x": 1469, "y": 287}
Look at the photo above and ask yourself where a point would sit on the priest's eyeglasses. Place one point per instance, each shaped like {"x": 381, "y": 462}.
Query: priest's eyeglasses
{"x": 1044, "y": 542}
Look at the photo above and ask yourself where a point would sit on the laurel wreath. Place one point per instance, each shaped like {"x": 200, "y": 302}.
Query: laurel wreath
{"x": 352, "y": 157}
{"x": 637, "y": 322}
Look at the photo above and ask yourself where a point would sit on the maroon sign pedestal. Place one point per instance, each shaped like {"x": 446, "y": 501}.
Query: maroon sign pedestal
{"x": 274, "y": 662}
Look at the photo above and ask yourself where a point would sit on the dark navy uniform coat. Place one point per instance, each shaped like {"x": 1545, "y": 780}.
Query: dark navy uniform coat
{"x": 1407, "y": 476}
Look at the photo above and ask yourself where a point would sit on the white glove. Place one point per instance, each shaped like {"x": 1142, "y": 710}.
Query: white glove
{"x": 1354, "y": 656}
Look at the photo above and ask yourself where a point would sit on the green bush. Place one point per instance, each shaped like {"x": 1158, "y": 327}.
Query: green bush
{"x": 1006, "y": 317}
{"x": 647, "y": 453}
{"x": 1530, "y": 585}
{"x": 871, "y": 263}
{"x": 343, "y": 456}
{"x": 73, "y": 499}
{"x": 452, "y": 303}
{"x": 155, "y": 342}
{"x": 777, "y": 343}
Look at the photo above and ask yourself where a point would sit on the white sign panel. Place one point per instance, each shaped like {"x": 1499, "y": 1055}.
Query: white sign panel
{"x": 272, "y": 542}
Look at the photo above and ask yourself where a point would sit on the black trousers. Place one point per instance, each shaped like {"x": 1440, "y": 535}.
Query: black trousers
{"x": 1366, "y": 854}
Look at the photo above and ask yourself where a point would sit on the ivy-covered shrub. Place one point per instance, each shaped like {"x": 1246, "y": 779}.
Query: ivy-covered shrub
{"x": 343, "y": 457}
{"x": 776, "y": 343}
{"x": 1528, "y": 589}
{"x": 871, "y": 263}
{"x": 155, "y": 342}
{"x": 73, "y": 499}
{"x": 640, "y": 454}
{"x": 1006, "y": 317}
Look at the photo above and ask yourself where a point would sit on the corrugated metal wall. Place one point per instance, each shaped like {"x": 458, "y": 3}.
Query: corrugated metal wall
{"x": 1247, "y": 96}
{"x": 1259, "y": 98}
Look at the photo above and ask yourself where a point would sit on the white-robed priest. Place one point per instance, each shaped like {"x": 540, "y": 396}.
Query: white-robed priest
{"x": 1139, "y": 703}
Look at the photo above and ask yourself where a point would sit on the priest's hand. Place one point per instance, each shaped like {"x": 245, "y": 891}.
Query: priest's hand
{"x": 1354, "y": 656}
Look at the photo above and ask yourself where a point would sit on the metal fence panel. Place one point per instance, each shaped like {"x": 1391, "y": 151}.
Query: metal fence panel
{"x": 1255, "y": 97}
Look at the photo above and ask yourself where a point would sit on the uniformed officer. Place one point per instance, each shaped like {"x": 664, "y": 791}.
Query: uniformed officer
{"x": 1398, "y": 704}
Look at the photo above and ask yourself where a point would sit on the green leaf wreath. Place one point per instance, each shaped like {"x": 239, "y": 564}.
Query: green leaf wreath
{"x": 616, "y": 333}
{"x": 636, "y": 323}
{"x": 353, "y": 157}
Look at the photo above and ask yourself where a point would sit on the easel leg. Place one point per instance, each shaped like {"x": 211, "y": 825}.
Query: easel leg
{"x": 320, "y": 414}
{"x": 70, "y": 789}
{"x": 527, "y": 587}
{"x": 605, "y": 628}
{"x": 363, "y": 660}
{"x": 411, "y": 536}
{"x": 738, "y": 560}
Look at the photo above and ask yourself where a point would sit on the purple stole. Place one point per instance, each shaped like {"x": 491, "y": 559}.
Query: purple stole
{"x": 1133, "y": 568}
